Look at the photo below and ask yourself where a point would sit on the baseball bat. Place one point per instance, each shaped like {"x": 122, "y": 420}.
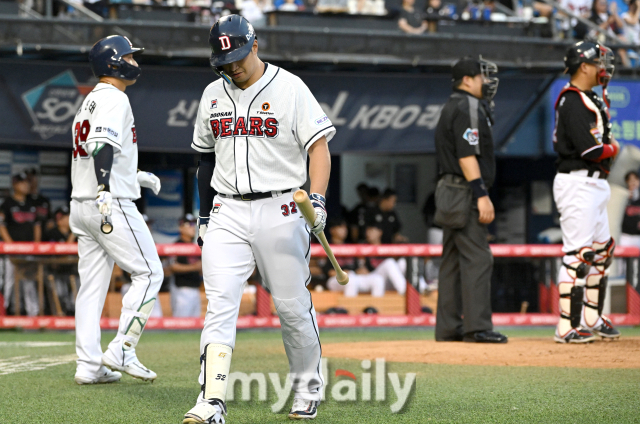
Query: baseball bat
{"x": 306, "y": 209}
{"x": 107, "y": 226}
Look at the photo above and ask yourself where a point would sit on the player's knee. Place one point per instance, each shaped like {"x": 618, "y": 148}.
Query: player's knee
{"x": 297, "y": 321}
{"x": 156, "y": 272}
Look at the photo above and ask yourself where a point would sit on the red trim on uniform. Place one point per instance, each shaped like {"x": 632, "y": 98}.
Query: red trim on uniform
{"x": 608, "y": 150}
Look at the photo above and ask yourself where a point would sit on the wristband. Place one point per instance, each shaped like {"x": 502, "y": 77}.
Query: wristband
{"x": 478, "y": 188}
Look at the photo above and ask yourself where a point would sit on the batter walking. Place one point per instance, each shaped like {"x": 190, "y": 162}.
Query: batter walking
{"x": 106, "y": 181}
{"x": 586, "y": 148}
{"x": 255, "y": 127}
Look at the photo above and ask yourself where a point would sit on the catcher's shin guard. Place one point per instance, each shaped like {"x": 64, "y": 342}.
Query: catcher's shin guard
{"x": 577, "y": 294}
{"x": 602, "y": 292}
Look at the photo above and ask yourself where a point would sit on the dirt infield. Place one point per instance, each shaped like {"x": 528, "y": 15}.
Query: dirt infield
{"x": 537, "y": 352}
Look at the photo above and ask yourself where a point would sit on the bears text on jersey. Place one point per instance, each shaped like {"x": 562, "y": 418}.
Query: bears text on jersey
{"x": 256, "y": 127}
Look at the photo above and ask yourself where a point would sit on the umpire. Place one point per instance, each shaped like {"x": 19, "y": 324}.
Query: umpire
{"x": 464, "y": 145}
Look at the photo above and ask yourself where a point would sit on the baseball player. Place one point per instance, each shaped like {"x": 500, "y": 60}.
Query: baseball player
{"x": 254, "y": 128}
{"x": 109, "y": 228}
{"x": 586, "y": 148}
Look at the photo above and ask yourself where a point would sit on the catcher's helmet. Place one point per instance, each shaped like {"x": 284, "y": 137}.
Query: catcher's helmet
{"x": 105, "y": 58}
{"x": 231, "y": 39}
{"x": 594, "y": 53}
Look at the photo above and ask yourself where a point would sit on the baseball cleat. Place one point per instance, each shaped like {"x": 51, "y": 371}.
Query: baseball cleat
{"x": 576, "y": 335}
{"x": 131, "y": 366}
{"x": 105, "y": 376}
{"x": 606, "y": 330}
{"x": 304, "y": 409}
{"x": 208, "y": 412}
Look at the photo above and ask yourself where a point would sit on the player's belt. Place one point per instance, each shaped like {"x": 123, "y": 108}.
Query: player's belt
{"x": 254, "y": 196}
{"x": 591, "y": 173}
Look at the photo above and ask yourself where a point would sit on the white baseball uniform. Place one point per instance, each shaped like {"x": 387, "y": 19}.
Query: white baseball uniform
{"x": 105, "y": 117}
{"x": 260, "y": 136}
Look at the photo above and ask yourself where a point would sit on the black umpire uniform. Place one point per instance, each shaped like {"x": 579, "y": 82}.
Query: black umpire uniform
{"x": 464, "y": 130}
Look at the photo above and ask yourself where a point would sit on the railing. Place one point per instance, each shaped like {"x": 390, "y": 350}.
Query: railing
{"x": 40, "y": 254}
{"x": 297, "y": 44}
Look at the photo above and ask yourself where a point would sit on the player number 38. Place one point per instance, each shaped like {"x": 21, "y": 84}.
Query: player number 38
{"x": 81, "y": 132}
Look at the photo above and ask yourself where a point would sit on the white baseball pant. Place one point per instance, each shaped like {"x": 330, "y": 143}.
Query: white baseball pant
{"x": 131, "y": 246}
{"x": 241, "y": 235}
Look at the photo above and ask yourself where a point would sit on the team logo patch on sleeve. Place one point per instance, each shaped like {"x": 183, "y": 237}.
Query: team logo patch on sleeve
{"x": 214, "y": 104}
{"x": 472, "y": 136}
{"x": 216, "y": 207}
{"x": 321, "y": 120}
{"x": 596, "y": 134}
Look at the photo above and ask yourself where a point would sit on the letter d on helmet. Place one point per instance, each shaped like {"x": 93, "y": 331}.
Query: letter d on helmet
{"x": 106, "y": 59}
{"x": 231, "y": 39}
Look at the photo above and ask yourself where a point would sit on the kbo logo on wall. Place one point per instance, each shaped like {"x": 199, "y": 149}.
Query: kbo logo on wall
{"x": 53, "y": 104}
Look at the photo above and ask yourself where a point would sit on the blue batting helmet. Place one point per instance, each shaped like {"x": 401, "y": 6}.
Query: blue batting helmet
{"x": 231, "y": 39}
{"x": 105, "y": 58}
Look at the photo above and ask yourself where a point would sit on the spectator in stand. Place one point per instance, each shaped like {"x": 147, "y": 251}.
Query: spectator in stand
{"x": 361, "y": 279}
{"x": 411, "y": 21}
{"x": 187, "y": 271}
{"x": 289, "y": 5}
{"x": 631, "y": 21}
{"x": 580, "y": 8}
{"x": 386, "y": 218}
{"x": 433, "y": 13}
{"x": 631, "y": 222}
{"x": 605, "y": 15}
{"x": 254, "y": 11}
{"x": 42, "y": 203}
{"x": 61, "y": 233}
{"x": 19, "y": 223}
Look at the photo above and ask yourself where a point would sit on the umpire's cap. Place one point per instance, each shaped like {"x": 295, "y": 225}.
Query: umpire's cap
{"x": 465, "y": 67}
{"x": 231, "y": 39}
{"x": 106, "y": 59}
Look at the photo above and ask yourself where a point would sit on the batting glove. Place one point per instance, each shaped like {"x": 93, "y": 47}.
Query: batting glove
{"x": 104, "y": 200}
{"x": 148, "y": 180}
{"x": 202, "y": 230}
{"x": 318, "y": 201}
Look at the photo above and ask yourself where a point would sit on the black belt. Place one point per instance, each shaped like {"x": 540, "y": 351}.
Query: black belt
{"x": 254, "y": 196}
{"x": 590, "y": 173}
{"x": 453, "y": 178}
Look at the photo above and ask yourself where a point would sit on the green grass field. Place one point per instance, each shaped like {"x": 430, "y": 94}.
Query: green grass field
{"x": 443, "y": 393}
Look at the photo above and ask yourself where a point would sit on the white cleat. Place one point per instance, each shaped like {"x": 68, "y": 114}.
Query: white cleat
{"x": 105, "y": 376}
{"x": 131, "y": 366}
{"x": 208, "y": 412}
{"x": 304, "y": 409}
